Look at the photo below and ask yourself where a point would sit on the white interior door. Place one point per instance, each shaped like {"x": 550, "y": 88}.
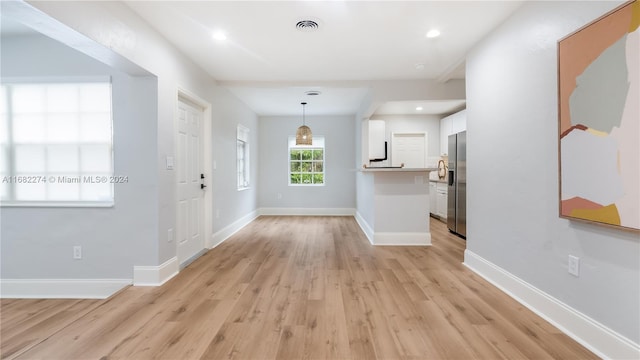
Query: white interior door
{"x": 190, "y": 207}
{"x": 410, "y": 149}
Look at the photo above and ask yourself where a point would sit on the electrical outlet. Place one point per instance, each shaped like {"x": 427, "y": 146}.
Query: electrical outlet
{"x": 77, "y": 252}
{"x": 170, "y": 235}
{"x": 279, "y": 196}
{"x": 574, "y": 265}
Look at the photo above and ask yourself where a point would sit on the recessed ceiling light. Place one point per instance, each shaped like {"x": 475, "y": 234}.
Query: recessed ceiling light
{"x": 219, "y": 35}
{"x": 433, "y": 33}
{"x": 419, "y": 108}
{"x": 313, "y": 92}
{"x": 420, "y": 66}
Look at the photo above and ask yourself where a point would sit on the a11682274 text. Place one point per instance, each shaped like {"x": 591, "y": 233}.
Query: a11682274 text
{"x": 64, "y": 179}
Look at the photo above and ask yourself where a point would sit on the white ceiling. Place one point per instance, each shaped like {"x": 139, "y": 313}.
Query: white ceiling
{"x": 274, "y": 100}
{"x": 420, "y": 107}
{"x": 269, "y": 64}
{"x": 356, "y": 40}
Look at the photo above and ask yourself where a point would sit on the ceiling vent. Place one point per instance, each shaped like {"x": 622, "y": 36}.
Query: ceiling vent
{"x": 313, "y": 92}
{"x": 307, "y": 25}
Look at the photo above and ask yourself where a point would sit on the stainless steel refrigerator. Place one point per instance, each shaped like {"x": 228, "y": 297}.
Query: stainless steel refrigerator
{"x": 457, "y": 195}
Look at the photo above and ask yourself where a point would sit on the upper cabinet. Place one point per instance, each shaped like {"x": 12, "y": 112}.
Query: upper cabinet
{"x": 445, "y": 130}
{"x": 459, "y": 124}
{"x": 377, "y": 134}
{"x": 450, "y": 125}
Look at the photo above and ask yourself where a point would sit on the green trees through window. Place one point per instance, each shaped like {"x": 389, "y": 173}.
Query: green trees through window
{"x": 306, "y": 166}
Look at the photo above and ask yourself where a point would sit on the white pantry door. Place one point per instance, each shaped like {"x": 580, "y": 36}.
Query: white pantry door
{"x": 190, "y": 207}
{"x": 410, "y": 149}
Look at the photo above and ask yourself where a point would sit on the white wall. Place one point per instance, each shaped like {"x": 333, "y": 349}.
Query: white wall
{"x": 364, "y": 183}
{"x": 513, "y": 173}
{"x": 229, "y": 204}
{"x": 339, "y": 189}
{"x": 413, "y": 123}
{"x": 111, "y": 31}
{"x": 37, "y": 242}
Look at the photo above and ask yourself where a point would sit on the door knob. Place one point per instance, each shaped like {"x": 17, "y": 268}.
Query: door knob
{"x": 202, "y": 186}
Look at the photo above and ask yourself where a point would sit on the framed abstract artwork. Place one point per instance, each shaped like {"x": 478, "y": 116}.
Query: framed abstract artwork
{"x": 599, "y": 120}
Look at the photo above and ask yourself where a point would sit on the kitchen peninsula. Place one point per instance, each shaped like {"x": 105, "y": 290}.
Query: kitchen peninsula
{"x": 397, "y": 205}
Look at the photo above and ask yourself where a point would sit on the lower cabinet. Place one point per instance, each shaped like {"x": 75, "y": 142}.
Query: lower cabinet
{"x": 433, "y": 202}
{"x": 438, "y": 199}
{"x": 441, "y": 200}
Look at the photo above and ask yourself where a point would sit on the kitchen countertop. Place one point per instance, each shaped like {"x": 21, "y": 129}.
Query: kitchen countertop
{"x": 438, "y": 181}
{"x": 381, "y": 169}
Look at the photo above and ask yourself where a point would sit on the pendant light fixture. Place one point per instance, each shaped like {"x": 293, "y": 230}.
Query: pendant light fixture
{"x": 303, "y": 134}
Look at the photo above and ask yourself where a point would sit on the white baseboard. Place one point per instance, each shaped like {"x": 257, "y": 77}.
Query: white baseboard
{"x": 227, "y": 231}
{"x": 402, "y": 238}
{"x": 364, "y": 225}
{"x": 392, "y": 238}
{"x": 155, "y": 275}
{"x": 596, "y": 337}
{"x": 308, "y": 211}
{"x": 61, "y": 288}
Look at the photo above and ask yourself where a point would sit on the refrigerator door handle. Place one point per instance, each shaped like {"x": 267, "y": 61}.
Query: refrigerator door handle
{"x": 451, "y": 172}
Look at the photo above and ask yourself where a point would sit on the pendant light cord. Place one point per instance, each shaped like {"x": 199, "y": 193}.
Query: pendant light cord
{"x": 303, "y": 105}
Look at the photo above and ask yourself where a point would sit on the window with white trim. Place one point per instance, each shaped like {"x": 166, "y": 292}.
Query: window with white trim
{"x": 306, "y": 163}
{"x": 56, "y": 143}
{"x": 242, "y": 156}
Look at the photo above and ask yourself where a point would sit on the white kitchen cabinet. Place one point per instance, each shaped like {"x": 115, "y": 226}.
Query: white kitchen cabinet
{"x": 450, "y": 125}
{"x": 441, "y": 200}
{"x": 438, "y": 199}
{"x": 459, "y": 122}
{"x": 433, "y": 204}
{"x": 376, "y": 139}
{"x": 445, "y": 131}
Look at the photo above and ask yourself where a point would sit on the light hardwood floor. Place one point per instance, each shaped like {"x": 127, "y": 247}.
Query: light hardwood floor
{"x": 296, "y": 288}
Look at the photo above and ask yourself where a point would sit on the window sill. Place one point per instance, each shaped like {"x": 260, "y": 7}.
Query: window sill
{"x": 244, "y": 188}
{"x": 310, "y": 185}
{"x": 57, "y": 204}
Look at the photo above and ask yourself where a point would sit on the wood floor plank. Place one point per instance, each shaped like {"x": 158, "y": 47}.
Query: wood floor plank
{"x": 222, "y": 345}
{"x": 337, "y": 338}
{"x": 31, "y": 326}
{"x": 196, "y": 331}
{"x": 295, "y": 288}
{"x": 263, "y": 341}
{"x": 384, "y": 330}
{"x": 291, "y": 345}
{"x": 411, "y": 340}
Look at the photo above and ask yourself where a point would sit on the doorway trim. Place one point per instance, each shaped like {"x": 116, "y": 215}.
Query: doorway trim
{"x": 207, "y": 138}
